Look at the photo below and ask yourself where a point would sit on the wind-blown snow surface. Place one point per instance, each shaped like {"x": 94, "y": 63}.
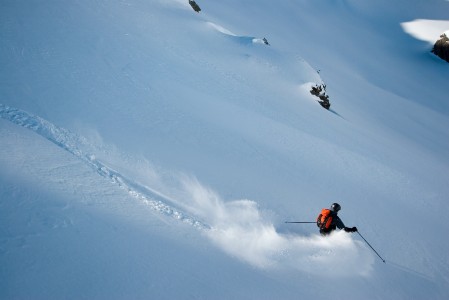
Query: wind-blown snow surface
{"x": 148, "y": 151}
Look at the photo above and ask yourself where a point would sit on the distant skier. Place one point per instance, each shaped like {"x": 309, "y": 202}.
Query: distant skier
{"x": 328, "y": 220}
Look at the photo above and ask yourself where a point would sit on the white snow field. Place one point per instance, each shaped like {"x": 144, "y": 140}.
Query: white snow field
{"x": 151, "y": 152}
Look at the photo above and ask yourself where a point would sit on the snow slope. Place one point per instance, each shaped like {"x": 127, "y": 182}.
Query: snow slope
{"x": 148, "y": 151}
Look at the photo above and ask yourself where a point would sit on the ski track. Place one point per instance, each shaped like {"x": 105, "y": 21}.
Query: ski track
{"x": 72, "y": 143}
{"x": 260, "y": 245}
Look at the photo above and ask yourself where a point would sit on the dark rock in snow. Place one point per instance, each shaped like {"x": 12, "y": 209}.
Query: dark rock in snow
{"x": 441, "y": 47}
{"x": 195, "y": 6}
{"x": 320, "y": 92}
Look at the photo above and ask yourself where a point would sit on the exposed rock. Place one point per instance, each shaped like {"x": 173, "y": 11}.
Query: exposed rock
{"x": 195, "y": 6}
{"x": 320, "y": 92}
{"x": 441, "y": 47}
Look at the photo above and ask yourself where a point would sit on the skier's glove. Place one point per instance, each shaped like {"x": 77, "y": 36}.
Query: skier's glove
{"x": 353, "y": 229}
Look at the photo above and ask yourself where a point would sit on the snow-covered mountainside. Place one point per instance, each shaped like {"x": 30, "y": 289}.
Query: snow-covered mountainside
{"x": 151, "y": 151}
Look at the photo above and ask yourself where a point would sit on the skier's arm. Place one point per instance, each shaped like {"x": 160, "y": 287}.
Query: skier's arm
{"x": 339, "y": 223}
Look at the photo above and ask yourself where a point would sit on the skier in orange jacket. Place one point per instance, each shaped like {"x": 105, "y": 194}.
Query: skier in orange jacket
{"x": 328, "y": 220}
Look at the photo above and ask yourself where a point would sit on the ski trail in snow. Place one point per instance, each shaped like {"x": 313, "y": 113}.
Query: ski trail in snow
{"x": 237, "y": 227}
{"x": 73, "y": 143}
{"x": 242, "y": 39}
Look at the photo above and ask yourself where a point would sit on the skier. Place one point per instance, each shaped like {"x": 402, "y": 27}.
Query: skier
{"x": 328, "y": 220}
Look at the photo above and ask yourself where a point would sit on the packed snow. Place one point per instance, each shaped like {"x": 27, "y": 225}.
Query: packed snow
{"x": 150, "y": 151}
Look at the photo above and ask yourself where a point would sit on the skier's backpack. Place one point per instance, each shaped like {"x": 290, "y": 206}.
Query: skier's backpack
{"x": 324, "y": 220}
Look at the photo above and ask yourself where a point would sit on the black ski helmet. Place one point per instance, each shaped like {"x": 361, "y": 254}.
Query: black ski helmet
{"x": 335, "y": 207}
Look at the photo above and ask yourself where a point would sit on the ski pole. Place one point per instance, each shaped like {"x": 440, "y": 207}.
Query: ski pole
{"x": 301, "y": 222}
{"x": 371, "y": 247}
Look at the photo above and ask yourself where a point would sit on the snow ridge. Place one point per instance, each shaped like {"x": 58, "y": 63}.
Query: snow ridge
{"x": 73, "y": 143}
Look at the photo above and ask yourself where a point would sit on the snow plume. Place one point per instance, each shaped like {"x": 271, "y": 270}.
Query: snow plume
{"x": 242, "y": 230}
